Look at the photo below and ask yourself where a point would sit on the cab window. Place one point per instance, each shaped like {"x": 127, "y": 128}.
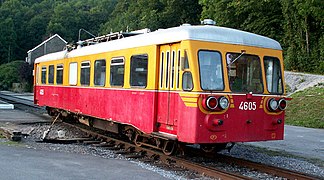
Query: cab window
{"x": 245, "y": 74}
{"x": 273, "y": 75}
{"x": 211, "y": 74}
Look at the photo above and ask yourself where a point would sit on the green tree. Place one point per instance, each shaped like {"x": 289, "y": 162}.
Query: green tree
{"x": 304, "y": 37}
{"x": 7, "y": 40}
{"x": 262, "y": 17}
{"x": 14, "y": 72}
{"x": 152, "y": 14}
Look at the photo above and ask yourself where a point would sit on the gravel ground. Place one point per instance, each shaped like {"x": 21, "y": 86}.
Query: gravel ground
{"x": 240, "y": 150}
{"x": 300, "y": 81}
{"x": 277, "y": 159}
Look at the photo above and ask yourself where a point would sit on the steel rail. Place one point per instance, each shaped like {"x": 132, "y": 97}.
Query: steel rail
{"x": 276, "y": 171}
{"x": 15, "y": 100}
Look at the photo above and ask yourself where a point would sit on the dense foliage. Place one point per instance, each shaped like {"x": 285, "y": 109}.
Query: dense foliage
{"x": 15, "y": 72}
{"x": 296, "y": 24}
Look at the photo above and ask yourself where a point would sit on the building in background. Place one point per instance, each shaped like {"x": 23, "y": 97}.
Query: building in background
{"x": 51, "y": 45}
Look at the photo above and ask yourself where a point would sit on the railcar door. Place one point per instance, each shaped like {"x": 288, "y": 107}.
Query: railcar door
{"x": 169, "y": 66}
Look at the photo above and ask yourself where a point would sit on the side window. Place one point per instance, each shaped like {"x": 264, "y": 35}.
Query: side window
{"x": 117, "y": 72}
{"x": 100, "y": 72}
{"x": 59, "y": 74}
{"x": 85, "y": 73}
{"x": 51, "y": 74}
{"x": 73, "y": 73}
{"x": 43, "y": 77}
{"x": 138, "y": 74}
{"x": 37, "y": 75}
{"x": 187, "y": 83}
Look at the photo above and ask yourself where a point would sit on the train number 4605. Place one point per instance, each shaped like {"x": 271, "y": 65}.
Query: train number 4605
{"x": 251, "y": 106}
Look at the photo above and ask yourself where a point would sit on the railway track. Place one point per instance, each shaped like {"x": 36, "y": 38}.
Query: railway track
{"x": 132, "y": 151}
{"x": 174, "y": 162}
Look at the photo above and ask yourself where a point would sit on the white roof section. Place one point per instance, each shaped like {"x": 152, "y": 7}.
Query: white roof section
{"x": 176, "y": 34}
{"x": 44, "y": 42}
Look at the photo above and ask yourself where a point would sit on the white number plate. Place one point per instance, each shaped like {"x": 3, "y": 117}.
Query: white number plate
{"x": 248, "y": 106}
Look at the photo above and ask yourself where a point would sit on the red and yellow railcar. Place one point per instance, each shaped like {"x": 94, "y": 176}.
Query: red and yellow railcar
{"x": 204, "y": 85}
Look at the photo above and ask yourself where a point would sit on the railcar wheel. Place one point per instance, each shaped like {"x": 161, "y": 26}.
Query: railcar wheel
{"x": 209, "y": 148}
{"x": 137, "y": 140}
{"x": 169, "y": 147}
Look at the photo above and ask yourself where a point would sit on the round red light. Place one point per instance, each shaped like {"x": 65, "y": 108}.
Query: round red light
{"x": 211, "y": 102}
{"x": 282, "y": 104}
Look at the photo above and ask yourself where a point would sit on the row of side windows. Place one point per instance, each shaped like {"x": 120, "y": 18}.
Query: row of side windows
{"x": 59, "y": 74}
{"x": 138, "y": 72}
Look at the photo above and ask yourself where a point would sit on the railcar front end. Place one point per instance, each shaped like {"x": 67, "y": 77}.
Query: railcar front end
{"x": 232, "y": 94}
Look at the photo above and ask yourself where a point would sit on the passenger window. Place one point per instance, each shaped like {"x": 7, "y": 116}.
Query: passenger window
{"x": 37, "y": 74}
{"x": 85, "y": 73}
{"x": 100, "y": 72}
{"x": 73, "y": 73}
{"x": 43, "y": 77}
{"x": 138, "y": 74}
{"x": 51, "y": 74}
{"x": 59, "y": 74}
{"x": 117, "y": 72}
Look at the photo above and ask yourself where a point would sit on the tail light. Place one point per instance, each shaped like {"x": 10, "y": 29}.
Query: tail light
{"x": 276, "y": 105}
{"x": 272, "y": 104}
{"x": 212, "y": 103}
{"x": 282, "y": 104}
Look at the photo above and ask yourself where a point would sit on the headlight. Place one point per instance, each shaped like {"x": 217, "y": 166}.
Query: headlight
{"x": 272, "y": 104}
{"x": 223, "y": 102}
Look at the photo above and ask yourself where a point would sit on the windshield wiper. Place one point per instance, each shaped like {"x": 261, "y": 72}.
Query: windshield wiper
{"x": 238, "y": 57}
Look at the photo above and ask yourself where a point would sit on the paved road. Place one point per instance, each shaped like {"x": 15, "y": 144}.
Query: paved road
{"x": 300, "y": 141}
{"x": 29, "y": 164}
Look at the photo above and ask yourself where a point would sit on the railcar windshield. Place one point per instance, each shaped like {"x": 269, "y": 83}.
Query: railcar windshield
{"x": 244, "y": 72}
{"x": 211, "y": 74}
{"x": 273, "y": 75}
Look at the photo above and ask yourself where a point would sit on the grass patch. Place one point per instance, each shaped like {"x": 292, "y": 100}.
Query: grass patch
{"x": 306, "y": 108}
